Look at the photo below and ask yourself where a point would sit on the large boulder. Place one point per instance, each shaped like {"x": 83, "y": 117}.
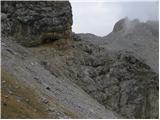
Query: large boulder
{"x": 35, "y": 22}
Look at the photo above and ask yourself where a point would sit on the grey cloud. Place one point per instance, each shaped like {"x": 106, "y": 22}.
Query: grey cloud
{"x": 99, "y": 17}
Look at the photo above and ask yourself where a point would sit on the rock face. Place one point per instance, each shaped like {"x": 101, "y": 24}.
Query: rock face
{"x": 34, "y": 22}
{"x": 127, "y": 80}
{"x": 122, "y": 82}
{"x": 120, "y": 25}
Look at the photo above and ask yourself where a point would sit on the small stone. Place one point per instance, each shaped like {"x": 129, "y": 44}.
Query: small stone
{"x": 58, "y": 113}
{"x": 36, "y": 78}
{"x": 32, "y": 63}
{"x": 17, "y": 87}
{"x": 51, "y": 109}
{"x": 35, "y": 110}
{"x": 44, "y": 63}
{"x": 48, "y": 88}
{"x": 27, "y": 100}
{"x": 3, "y": 81}
{"x": 18, "y": 100}
{"x": 69, "y": 63}
{"x": 10, "y": 92}
{"x": 3, "y": 16}
{"x": 45, "y": 100}
{"x": 4, "y": 103}
{"x": 6, "y": 96}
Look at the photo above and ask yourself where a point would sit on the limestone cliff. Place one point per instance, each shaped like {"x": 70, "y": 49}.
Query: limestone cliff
{"x": 35, "y": 22}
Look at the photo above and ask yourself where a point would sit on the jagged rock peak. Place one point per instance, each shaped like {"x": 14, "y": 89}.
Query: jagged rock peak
{"x": 120, "y": 25}
{"x": 125, "y": 24}
{"x": 35, "y": 22}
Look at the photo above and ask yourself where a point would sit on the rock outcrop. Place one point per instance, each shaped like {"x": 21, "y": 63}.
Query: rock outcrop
{"x": 120, "y": 25}
{"x": 34, "y": 22}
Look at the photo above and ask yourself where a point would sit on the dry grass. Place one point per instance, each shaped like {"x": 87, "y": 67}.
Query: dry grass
{"x": 19, "y": 101}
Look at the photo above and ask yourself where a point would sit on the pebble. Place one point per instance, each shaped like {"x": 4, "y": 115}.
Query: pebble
{"x": 36, "y": 78}
{"x": 10, "y": 92}
{"x": 32, "y": 63}
{"x": 4, "y": 103}
{"x": 58, "y": 113}
{"x": 44, "y": 63}
{"x": 51, "y": 109}
{"x": 48, "y": 88}
{"x": 27, "y": 100}
{"x": 6, "y": 96}
{"x": 45, "y": 100}
{"x": 35, "y": 110}
{"x": 18, "y": 100}
{"x": 3, "y": 81}
{"x": 17, "y": 87}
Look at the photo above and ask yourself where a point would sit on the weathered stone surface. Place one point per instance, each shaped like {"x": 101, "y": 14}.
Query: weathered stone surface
{"x": 22, "y": 63}
{"x": 122, "y": 82}
{"x": 35, "y": 22}
{"x": 111, "y": 74}
{"x": 120, "y": 25}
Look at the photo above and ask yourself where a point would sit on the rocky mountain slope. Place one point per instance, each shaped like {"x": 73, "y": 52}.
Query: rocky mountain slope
{"x": 140, "y": 38}
{"x": 68, "y": 75}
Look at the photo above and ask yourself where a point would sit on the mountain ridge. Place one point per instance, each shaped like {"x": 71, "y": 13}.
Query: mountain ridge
{"x": 81, "y": 75}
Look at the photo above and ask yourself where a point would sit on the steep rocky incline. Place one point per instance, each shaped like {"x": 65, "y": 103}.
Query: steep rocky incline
{"x": 19, "y": 100}
{"x": 21, "y": 63}
{"x": 35, "y": 22}
{"x": 140, "y": 38}
{"x": 133, "y": 47}
{"x": 122, "y": 83}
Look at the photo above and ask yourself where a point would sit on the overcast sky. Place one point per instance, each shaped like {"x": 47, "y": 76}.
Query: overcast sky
{"x": 99, "y": 17}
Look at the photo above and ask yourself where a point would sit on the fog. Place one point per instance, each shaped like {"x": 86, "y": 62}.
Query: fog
{"x": 99, "y": 17}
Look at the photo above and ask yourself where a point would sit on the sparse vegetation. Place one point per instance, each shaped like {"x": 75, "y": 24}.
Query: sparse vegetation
{"x": 20, "y": 101}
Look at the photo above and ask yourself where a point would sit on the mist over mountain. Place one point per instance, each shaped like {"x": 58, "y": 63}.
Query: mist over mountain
{"x": 100, "y": 16}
